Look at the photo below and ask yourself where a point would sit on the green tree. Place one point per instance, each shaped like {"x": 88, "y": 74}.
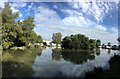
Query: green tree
{"x": 39, "y": 39}
{"x": 98, "y": 43}
{"x": 109, "y": 44}
{"x": 16, "y": 33}
{"x": 103, "y": 45}
{"x": 92, "y": 43}
{"x": 78, "y": 41}
{"x": 28, "y": 35}
{"x": 57, "y": 38}
{"x": 9, "y": 33}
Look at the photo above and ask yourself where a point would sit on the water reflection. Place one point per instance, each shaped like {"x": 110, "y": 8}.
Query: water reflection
{"x": 109, "y": 51}
{"x": 76, "y": 57}
{"x": 56, "y": 54}
{"x": 97, "y": 51}
{"x": 49, "y": 62}
{"x": 113, "y": 73}
{"x": 19, "y": 63}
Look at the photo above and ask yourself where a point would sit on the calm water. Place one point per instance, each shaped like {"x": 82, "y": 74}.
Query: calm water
{"x": 51, "y": 62}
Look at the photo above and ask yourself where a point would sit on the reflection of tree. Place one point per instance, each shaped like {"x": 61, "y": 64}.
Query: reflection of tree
{"x": 38, "y": 51}
{"x": 113, "y": 73}
{"x": 19, "y": 63}
{"x": 16, "y": 69}
{"x": 109, "y": 51}
{"x": 56, "y": 54}
{"x": 77, "y": 57}
{"x": 97, "y": 51}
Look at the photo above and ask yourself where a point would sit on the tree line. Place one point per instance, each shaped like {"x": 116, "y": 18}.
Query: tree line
{"x": 17, "y": 33}
{"x": 78, "y": 41}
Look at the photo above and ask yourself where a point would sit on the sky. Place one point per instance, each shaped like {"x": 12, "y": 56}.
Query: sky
{"x": 96, "y": 20}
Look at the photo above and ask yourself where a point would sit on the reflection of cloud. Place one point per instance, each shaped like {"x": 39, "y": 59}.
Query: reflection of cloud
{"x": 44, "y": 67}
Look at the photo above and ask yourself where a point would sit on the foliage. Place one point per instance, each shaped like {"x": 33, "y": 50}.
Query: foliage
{"x": 39, "y": 39}
{"x": 57, "y": 38}
{"x": 118, "y": 39}
{"x": 98, "y": 43}
{"x": 100, "y": 73}
{"x": 8, "y": 27}
{"x": 16, "y": 33}
{"x": 78, "y": 41}
{"x": 109, "y": 44}
{"x": 103, "y": 45}
{"x": 92, "y": 43}
{"x": 77, "y": 57}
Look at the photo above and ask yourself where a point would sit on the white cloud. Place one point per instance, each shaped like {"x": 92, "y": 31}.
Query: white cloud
{"x": 20, "y": 15}
{"x": 18, "y": 4}
{"x": 114, "y": 29}
{"x": 55, "y": 6}
{"x": 82, "y": 22}
{"x": 30, "y": 6}
{"x": 98, "y": 10}
{"x": 44, "y": 14}
{"x": 2, "y": 3}
{"x": 14, "y": 10}
{"x": 50, "y": 22}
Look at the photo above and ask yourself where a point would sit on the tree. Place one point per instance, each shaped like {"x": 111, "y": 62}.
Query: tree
{"x": 57, "y": 38}
{"x": 103, "y": 45}
{"x": 98, "y": 43}
{"x": 109, "y": 44}
{"x": 118, "y": 39}
{"x": 78, "y": 41}
{"x": 92, "y": 43}
{"x": 39, "y": 39}
{"x": 9, "y": 33}
{"x": 28, "y": 35}
{"x": 16, "y": 33}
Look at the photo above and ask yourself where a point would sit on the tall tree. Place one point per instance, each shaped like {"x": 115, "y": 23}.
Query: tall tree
{"x": 98, "y": 43}
{"x": 109, "y": 44}
{"x": 16, "y": 33}
{"x": 28, "y": 35}
{"x": 8, "y": 26}
{"x": 92, "y": 43}
{"x": 39, "y": 39}
{"x": 103, "y": 45}
{"x": 57, "y": 38}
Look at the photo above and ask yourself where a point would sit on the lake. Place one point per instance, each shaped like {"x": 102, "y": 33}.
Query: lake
{"x": 52, "y": 62}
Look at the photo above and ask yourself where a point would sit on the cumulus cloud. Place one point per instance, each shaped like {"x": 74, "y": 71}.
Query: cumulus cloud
{"x": 82, "y": 22}
{"x": 2, "y": 3}
{"x": 55, "y": 6}
{"x": 44, "y": 14}
{"x": 98, "y": 10}
{"x": 14, "y": 10}
{"x": 49, "y": 22}
{"x": 114, "y": 29}
{"x": 20, "y": 15}
{"x": 18, "y": 4}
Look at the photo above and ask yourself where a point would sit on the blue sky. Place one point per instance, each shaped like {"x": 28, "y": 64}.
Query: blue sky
{"x": 97, "y": 20}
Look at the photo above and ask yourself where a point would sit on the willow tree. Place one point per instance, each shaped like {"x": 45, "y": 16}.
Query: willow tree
{"x": 57, "y": 38}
